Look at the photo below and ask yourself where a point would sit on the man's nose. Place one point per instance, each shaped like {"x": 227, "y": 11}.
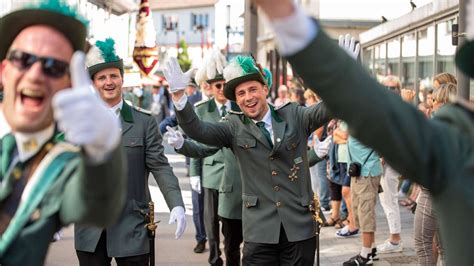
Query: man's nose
{"x": 35, "y": 72}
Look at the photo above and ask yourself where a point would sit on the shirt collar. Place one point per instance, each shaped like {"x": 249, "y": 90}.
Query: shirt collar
{"x": 219, "y": 105}
{"x": 117, "y": 106}
{"x": 30, "y": 143}
{"x": 267, "y": 118}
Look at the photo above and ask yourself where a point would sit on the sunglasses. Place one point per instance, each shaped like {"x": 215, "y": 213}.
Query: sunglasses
{"x": 392, "y": 88}
{"x": 51, "y": 67}
{"x": 219, "y": 86}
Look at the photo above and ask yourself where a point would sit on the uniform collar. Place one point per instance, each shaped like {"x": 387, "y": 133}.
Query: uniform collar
{"x": 117, "y": 106}
{"x": 29, "y": 144}
{"x": 227, "y": 104}
{"x": 267, "y": 118}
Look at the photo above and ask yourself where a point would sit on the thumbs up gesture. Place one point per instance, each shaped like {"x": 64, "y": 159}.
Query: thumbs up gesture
{"x": 83, "y": 117}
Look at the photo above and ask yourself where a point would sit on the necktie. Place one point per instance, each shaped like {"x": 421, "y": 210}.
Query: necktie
{"x": 223, "y": 110}
{"x": 8, "y": 144}
{"x": 261, "y": 126}
{"x": 117, "y": 111}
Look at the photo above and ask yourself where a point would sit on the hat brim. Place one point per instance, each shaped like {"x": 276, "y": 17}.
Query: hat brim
{"x": 465, "y": 58}
{"x": 219, "y": 77}
{"x": 99, "y": 67}
{"x": 12, "y": 24}
{"x": 229, "y": 87}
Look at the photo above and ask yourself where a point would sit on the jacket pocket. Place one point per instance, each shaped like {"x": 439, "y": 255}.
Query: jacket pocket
{"x": 132, "y": 142}
{"x": 249, "y": 201}
{"x": 292, "y": 142}
{"x": 246, "y": 143}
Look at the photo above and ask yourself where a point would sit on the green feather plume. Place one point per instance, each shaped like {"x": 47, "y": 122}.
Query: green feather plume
{"x": 61, "y": 7}
{"x": 268, "y": 77}
{"x": 247, "y": 64}
{"x": 107, "y": 50}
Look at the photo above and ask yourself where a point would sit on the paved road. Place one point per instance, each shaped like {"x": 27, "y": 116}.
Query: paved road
{"x": 172, "y": 252}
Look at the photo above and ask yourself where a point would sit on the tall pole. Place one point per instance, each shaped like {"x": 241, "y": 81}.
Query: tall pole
{"x": 463, "y": 80}
{"x": 227, "y": 28}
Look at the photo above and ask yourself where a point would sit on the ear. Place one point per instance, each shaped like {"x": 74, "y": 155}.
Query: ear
{"x": 2, "y": 70}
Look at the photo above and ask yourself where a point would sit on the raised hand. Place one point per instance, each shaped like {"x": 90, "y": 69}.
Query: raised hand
{"x": 72, "y": 111}
{"x": 174, "y": 137}
{"x": 349, "y": 45}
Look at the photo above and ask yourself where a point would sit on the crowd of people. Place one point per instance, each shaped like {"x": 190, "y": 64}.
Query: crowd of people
{"x": 259, "y": 168}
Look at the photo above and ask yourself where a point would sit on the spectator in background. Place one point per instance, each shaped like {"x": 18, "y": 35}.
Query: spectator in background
{"x": 194, "y": 95}
{"x": 159, "y": 106}
{"x": 297, "y": 96}
{"x": 426, "y": 241}
{"x": 283, "y": 96}
{"x": 389, "y": 182}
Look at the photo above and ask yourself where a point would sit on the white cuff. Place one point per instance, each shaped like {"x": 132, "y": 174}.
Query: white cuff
{"x": 294, "y": 32}
{"x": 181, "y": 103}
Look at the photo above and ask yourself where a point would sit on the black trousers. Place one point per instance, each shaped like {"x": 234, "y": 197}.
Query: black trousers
{"x": 211, "y": 223}
{"x": 299, "y": 253}
{"x": 100, "y": 258}
{"x": 232, "y": 232}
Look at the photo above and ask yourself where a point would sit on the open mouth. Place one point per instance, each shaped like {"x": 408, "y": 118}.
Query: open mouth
{"x": 32, "y": 98}
{"x": 251, "y": 105}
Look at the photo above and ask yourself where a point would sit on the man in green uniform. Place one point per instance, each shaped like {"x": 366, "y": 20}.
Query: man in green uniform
{"x": 48, "y": 182}
{"x": 437, "y": 153}
{"x": 127, "y": 240}
{"x": 212, "y": 167}
{"x": 271, "y": 150}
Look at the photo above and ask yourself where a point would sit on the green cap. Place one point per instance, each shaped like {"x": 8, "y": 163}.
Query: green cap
{"x": 102, "y": 56}
{"x": 242, "y": 69}
{"x": 54, "y": 13}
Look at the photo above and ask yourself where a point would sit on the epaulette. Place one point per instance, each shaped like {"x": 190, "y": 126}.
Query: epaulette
{"x": 141, "y": 110}
{"x": 281, "y": 106}
{"x": 201, "y": 102}
{"x": 235, "y": 112}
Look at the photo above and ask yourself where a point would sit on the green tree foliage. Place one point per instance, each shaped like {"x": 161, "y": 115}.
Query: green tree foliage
{"x": 183, "y": 57}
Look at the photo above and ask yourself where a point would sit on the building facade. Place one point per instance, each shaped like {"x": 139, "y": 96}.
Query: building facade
{"x": 414, "y": 47}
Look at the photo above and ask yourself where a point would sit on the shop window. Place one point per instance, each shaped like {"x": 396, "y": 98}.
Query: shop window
{"x": 445, "y": 49}
{"x": 393, "y": 56}
{"x": 407, "y": 73}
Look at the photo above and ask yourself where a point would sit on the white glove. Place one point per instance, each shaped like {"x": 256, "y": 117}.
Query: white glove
{"x": 195, "y": 182}
{"x": 321, "y": 148}
{"x": 348, "y": 44}
{"x": 175, "y": 138}
{"x": 177, "y": 80}
{"x": 72, "y": 111}
{"x": 177, "y": 215}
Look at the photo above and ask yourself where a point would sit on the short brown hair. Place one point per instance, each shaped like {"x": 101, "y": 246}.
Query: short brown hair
{"x": 442, "y": 94}
{"x": 445, "y": 77}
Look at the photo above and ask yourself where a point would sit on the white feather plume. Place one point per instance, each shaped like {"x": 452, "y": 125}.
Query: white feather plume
{"x": 94, "y": 57}
{"x": 200, "y": 75}
{"x": 232, "y": 70}
{"x": 470, "y": 20}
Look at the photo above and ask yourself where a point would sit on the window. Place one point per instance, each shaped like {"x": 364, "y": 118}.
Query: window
{"x": 426, "y": 41}
{"x": 407, "y": 73}
{"x": 199, "y": 21}
{"x": 169, "y": 22}
{"x": 393, "y": 55}
{"x": 445, "y": 50}
{"x": 379, "y": 63}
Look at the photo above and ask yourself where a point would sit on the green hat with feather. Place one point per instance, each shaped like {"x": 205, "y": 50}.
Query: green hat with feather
{"x": 242, "y": 69}
{"x": 102, "y": 56}
{"x": 53, "y": 13}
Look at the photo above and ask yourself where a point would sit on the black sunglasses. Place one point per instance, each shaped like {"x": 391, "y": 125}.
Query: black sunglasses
{"x": 219, "y": 86}
{"x": 51, "y": 67}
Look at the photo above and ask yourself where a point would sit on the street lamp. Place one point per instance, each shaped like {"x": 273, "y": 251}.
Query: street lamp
{"x": 227, "y": 28}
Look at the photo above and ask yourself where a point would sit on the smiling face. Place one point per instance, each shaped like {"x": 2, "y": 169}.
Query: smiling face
{"x": 28, "y": 92}
{"x": 251, "y": 97}
{"x": 108, "y": 83}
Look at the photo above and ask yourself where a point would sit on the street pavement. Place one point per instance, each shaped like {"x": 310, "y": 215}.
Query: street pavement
{"x": 175, "y": 252}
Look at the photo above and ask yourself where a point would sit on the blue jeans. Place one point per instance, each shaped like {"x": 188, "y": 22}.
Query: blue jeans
{"x": 198, "y": 214}
{"x": 324, "y": 194}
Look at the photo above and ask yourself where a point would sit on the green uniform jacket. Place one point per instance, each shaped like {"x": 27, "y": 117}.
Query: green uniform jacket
{"x": 270, "y": 198}
{"x": 212, "y": 166}
{"x": 230, "y": 189}
{"x": 144, "y": 153}
{"x": 438, "y": 153}
{"x": 89, "y": 194}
